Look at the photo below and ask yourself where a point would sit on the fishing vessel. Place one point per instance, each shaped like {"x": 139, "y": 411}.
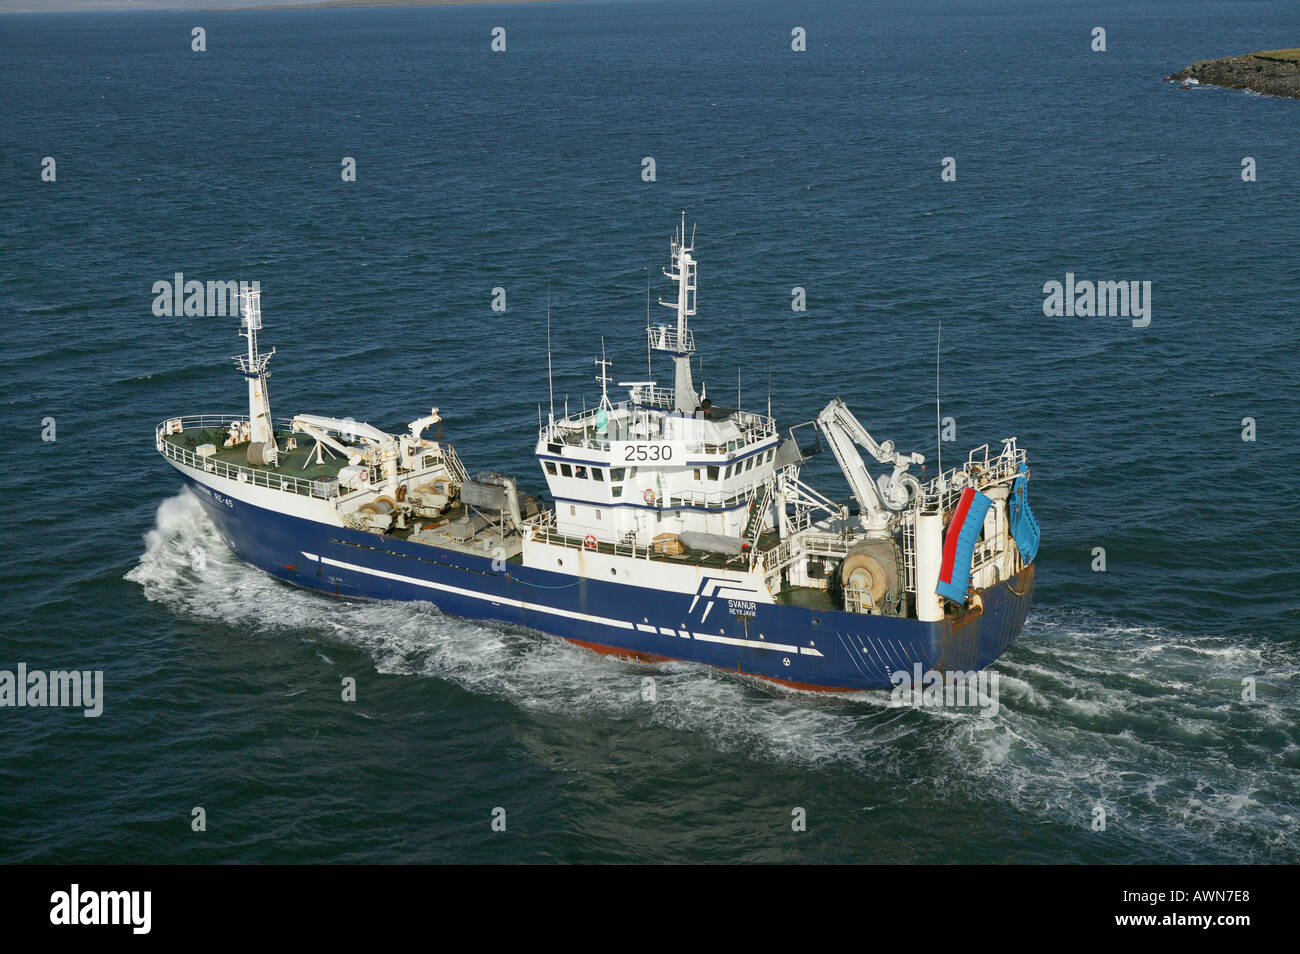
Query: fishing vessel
{"x": 672, "y": 528}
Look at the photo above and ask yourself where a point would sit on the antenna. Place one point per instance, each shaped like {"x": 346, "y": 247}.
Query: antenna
{"x": 938, "y": 426}
{"x": 649, "y": 373}
{"x": 550, "y": 381}
{"x": 737, "y": 387}
{"x": 603, "y": 363}
{"x": 769, "y": 393}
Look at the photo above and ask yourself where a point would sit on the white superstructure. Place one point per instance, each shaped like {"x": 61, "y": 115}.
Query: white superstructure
{"x": 661, "y": 461}
{"x": 689, "y": 490}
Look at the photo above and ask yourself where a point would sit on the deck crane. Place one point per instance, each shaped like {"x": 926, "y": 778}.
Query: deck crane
{"x": 878, "y": 499}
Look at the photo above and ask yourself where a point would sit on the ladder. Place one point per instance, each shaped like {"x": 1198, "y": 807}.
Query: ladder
{"x": 758, "y": 506}
{"x": 453, "y": 463}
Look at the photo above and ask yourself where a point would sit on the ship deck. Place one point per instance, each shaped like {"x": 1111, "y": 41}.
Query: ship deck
{"x": 299, "y": 463}
{"x": 809, "y": 597}
{"x": 766, "y": 541}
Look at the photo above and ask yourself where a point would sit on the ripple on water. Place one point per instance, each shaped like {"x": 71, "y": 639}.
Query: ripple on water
{"x": 1091, "y": 711}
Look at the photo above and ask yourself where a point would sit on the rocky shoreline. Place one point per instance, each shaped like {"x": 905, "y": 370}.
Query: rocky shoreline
{"x": 1272, "y": 72}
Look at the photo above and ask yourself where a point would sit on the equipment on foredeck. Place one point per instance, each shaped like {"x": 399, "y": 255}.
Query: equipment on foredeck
{"x": 876, "y": 499}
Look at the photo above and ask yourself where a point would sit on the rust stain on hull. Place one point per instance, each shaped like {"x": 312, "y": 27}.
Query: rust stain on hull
{"x": 968, "y": 638}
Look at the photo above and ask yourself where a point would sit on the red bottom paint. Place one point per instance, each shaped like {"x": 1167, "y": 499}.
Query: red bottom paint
{"x": 649, "y": 658}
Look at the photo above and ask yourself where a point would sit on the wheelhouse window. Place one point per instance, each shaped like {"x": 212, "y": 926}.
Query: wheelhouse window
{"x": 598, "y": 473}
{"x": 713, "y": 473}
{"x": 566, "y": 470}
{"x": 550, "y": 467}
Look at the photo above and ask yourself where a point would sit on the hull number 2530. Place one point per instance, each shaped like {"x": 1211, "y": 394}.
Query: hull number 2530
{"x": 646, "y": 452}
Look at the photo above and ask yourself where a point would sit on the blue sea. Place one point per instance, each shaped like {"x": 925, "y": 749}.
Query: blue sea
{"x": 523, "y": 169}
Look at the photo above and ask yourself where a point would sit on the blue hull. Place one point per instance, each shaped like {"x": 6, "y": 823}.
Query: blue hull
{"x": 814, "y": 649}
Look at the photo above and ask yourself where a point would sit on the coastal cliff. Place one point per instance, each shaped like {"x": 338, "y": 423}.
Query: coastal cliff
{"x": 1272, "y": 72}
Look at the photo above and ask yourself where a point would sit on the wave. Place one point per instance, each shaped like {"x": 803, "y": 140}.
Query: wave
{"x": 1147, "y": 723}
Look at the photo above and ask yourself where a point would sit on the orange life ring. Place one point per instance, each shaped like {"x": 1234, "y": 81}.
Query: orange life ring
{"x": 649, "y": 496}
{"x": 589, "y": 542}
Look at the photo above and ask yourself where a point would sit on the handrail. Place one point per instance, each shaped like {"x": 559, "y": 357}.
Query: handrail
{"x": 452, "y": 460}
{"x": 219, "y": 468}
{"x": 710, "y": 499}
{"x": 574, "y": 431}
{"x": 263, "y": 478}
{"x": 542, "y": 529}
{"x": 775, "y": 560}
{"x": 214, "y": 420}
{"x": 978, "y": 471}
{"x": 796, "y": 545}
{"x": 664, "y": 338}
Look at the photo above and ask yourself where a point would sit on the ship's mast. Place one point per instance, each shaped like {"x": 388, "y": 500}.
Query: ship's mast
{"x": 253, "y": 367}
{"x": 680, "y": 343}
{"x": 603, "y": 363}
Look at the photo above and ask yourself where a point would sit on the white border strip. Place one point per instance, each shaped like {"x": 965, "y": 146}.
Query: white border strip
{"x": 555, "y": 611}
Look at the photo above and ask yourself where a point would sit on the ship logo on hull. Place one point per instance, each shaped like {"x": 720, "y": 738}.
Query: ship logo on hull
{"x": 712, "y": 588}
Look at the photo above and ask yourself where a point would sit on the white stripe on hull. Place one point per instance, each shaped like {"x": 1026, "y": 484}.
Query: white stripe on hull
{"x": 554, "y": 610}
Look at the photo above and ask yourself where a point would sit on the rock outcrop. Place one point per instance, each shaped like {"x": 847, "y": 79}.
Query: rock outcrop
{"x": 1273, "y": 72}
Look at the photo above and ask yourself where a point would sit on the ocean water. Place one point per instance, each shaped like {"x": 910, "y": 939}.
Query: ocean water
{"x": 819, "y": 170}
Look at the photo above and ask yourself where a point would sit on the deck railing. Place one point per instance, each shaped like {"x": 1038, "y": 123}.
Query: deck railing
{"x": 542, "y": 529}
{"x": 983, "y": 468}
{"x": 655, "y": 397}
{"x": 244, "y": 474}
{"x": 262, "y": 477}
{"x": 580, "y": 430}
{"x": 663, "y": 338}
{"x": 798, "y": 545}
{"x": 711, "y": 500}
{"x": 452, "y": 460}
